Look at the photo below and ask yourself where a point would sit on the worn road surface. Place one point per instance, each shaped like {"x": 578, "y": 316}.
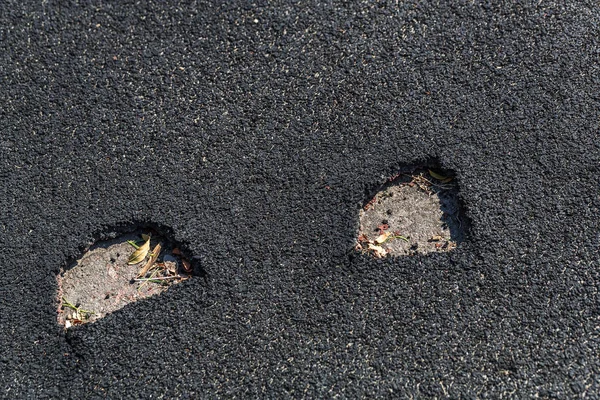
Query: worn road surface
{"x": 254, "y": 132}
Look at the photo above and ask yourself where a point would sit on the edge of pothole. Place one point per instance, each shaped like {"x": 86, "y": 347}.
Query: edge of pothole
{"x": 110, "y": 236}
{"x": 450, "y": 205}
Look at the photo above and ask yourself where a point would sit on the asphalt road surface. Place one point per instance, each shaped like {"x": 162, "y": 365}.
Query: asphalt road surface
{"x": 254, "y": 132}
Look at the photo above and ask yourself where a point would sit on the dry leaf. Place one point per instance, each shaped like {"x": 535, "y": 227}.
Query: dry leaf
{"x": 437, "y": 176}
{"x": 382, "y": 228}
{"x": 139, "y": 255}
{"x": 187, "y": 267}
{"x": 377, "y": 250}
{"x": 151, "y": 261}
{"x": 436, "y": 238}
{"x": 440, "y": 177}
{"x": 382, "y": 238}
{"x": 176, "y": 251}
{"x": 171, "y": 266}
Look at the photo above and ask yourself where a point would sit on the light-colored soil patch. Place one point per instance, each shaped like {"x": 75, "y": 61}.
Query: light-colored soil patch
{"x": 412, "y": 214}
{"x": 102, "y": 281}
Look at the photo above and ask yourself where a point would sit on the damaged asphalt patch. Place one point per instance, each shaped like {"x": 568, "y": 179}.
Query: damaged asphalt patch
{"x": 414, "y": 213}
{"x": 105, "y": 279}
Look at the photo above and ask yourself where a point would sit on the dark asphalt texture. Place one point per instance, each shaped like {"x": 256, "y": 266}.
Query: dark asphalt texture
{"x": 254, "y": 132}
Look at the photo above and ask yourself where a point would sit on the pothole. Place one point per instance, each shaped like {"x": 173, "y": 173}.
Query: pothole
{"x": 417, "y": 211}
{"x": 116, "y": 272}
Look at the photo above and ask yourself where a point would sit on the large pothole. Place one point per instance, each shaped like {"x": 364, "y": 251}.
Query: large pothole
{"x": 415, "y": 212}
{"x": 116, "y": 272}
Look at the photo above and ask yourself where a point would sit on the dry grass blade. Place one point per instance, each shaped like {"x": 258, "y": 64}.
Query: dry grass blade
{"x": 139, "y": 255}
{"x": 151, "y": 261}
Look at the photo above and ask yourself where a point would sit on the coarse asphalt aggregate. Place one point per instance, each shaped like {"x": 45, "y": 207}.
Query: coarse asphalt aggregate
{"x": 254, "y": 132}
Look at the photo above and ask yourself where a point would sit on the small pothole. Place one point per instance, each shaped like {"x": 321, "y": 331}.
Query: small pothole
{"x": 417, "y": 211}
{"x": 116, "y": 272}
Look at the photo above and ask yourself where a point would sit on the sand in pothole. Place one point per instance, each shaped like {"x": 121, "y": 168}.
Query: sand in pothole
{"x": 413, "y": 214}
{"x": 102, "y": 281}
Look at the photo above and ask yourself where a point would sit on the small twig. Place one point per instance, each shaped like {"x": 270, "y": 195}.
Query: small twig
{"x": 160, "y": 278}
{"x": 154, "y": 272}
